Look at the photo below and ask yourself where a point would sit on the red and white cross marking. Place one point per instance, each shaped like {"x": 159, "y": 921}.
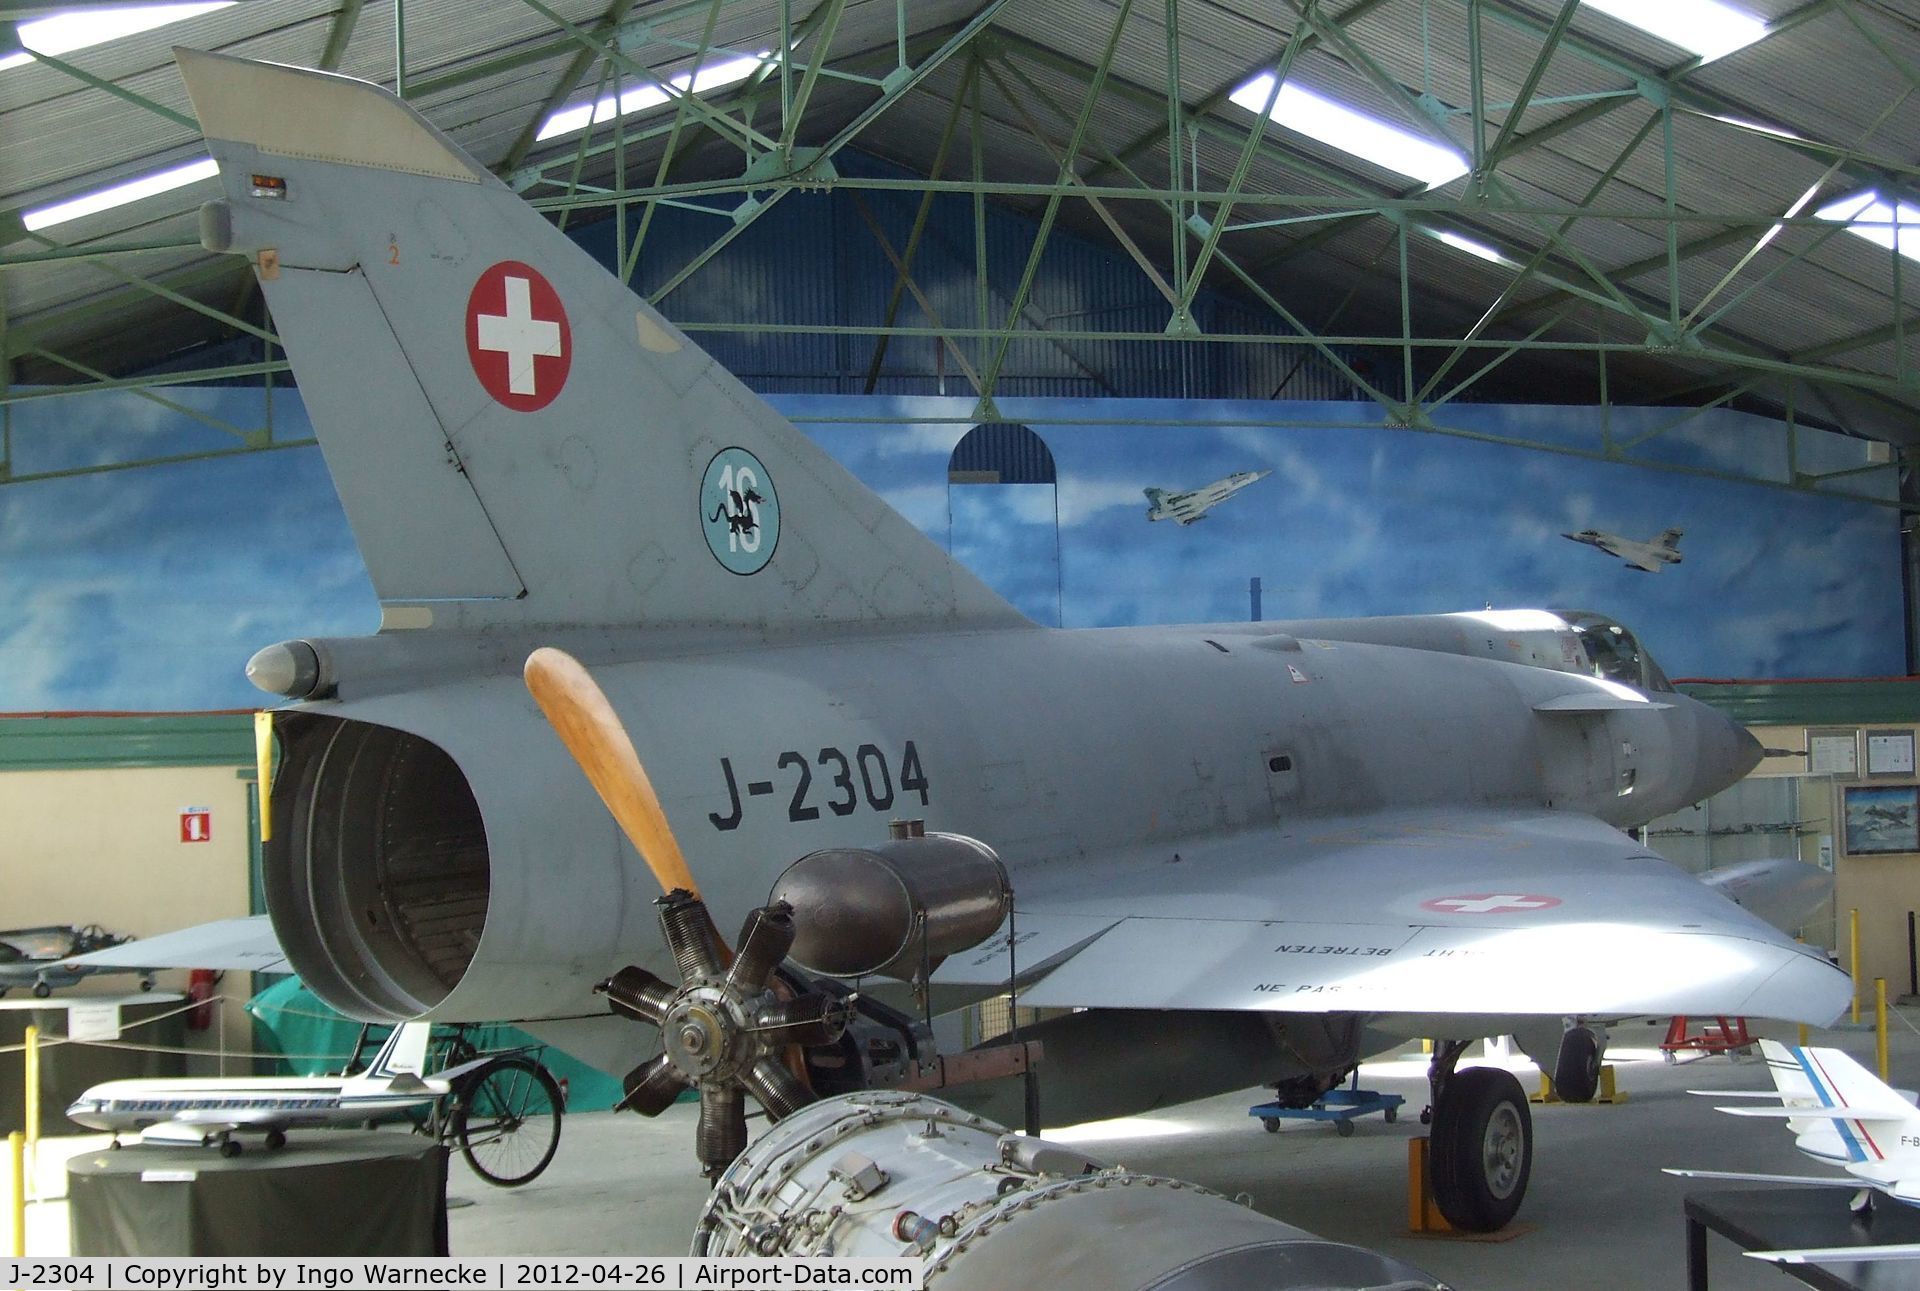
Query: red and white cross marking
{"x": 518, "y": 339}
{"x": 1491, "y": 903}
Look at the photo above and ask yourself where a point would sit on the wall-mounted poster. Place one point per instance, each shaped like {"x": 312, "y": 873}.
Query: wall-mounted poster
{"x": 1882, "y": 819}
{"x": 1833, "y": 753}
{"x": 1889, "y": 752}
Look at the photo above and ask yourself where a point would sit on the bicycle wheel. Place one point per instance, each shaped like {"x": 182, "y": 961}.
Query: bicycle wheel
{"x": 507, "y": 1121}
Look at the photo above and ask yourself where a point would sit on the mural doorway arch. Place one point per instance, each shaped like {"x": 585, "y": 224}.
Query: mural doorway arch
{"x": 1003, "y": 516}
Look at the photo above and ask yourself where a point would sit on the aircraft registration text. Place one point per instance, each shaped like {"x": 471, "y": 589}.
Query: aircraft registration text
{"x": 839, "y": 793}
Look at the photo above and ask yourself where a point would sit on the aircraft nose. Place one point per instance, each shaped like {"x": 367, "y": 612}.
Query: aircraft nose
{"x": 1724, "y": 752}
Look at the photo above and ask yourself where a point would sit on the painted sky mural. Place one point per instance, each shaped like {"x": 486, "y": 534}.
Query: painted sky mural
{"x": 149, "y": 588}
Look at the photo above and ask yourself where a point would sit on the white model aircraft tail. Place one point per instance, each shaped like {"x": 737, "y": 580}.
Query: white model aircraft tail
{"x": 516, "y": 437}
{"x": 1670, "y": 538}
{"x": 401, "y": 1060}
{"x": 1839, "y": 1113}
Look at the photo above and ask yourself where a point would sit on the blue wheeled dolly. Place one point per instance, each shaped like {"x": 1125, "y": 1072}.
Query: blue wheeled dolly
{"x": 1337, "y": 1105}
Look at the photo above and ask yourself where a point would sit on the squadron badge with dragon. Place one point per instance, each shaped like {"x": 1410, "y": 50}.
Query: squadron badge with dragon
{"x": 739, "y": 511}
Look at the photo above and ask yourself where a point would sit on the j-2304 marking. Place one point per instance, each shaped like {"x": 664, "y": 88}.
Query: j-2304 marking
{"x": 868, "y": 764}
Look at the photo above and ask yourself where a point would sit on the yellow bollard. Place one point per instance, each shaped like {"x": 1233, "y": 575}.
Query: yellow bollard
{"x": 17, "y": 1150}
{"x": 1853, "y": 958}
{"x": 1803, "y": 1035}
{"x": 1880, "y": 1023}
{"x": 31, "y": 1097}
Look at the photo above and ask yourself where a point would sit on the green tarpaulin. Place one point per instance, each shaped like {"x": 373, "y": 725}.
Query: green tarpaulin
{"x": 313, "y": 1040}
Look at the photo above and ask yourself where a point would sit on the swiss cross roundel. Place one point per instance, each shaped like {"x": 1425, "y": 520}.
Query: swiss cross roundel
{"x": 1491, "y": 903}
{"x": 517, "y": 336}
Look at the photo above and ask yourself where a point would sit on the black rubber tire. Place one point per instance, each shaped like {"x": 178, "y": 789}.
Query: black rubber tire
{"x": 1576, "y": 1073}
{"x": 276, "y": 1139}
{"x": 1271, "y": 1124}
{"x": 41, "y": 990}
{"x": 1390, "y": 1115}
{"x": 229, "y": 1148}
{"x": 1481, "y": 1149}
{"x": 1344, "y": 1128}
{"x": 507, "y": 1121}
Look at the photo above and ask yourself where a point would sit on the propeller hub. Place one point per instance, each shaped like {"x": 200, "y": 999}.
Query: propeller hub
{"x": 708, "y": 1034}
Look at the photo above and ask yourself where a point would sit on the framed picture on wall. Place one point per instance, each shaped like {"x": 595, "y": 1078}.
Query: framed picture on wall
{"x": 1890, "y": 753}
{"x": 1835, "y": 753}
{"x": 1882, "y": 819}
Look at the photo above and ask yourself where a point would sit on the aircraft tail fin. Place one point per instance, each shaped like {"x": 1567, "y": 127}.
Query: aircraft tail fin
{"x": 515, "y": 436}
{"x": 1669, "y": 538}
{"x": 403, "y": 1055}
{"x": 1156, "y": 498}
{"x": 1846, "y": 1110}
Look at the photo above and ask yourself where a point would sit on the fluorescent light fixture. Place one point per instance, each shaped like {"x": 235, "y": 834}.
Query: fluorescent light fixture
{"x": 1333, "y": 123}
{"x": 1468, "y": 245}
{"x": 161, "y": 181}
{"x": 712, "y": 77}
{"x": 62, "y": 33}
{"x": 1870, "y": 206}
{"x": 1706, "y": 28}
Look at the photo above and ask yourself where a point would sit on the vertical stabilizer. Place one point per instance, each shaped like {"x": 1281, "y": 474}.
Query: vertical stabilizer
{"x": 516, "y": 437}
{"x": 404, "y": 1054}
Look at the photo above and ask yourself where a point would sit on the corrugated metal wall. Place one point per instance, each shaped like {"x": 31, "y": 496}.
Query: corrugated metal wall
{"x": 816, "y": 261}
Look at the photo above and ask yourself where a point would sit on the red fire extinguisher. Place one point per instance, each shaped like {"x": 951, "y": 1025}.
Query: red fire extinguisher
{"x": 200, "y": 984}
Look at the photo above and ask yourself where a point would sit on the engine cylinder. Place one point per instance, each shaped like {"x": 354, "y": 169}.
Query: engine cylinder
{"x": 886, "y": 1174}
{"x": 863, "y": 911}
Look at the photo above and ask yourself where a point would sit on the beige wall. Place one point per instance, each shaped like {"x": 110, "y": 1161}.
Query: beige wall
{"x": 102, "y": 845}
{"x": 1883, "y": 888}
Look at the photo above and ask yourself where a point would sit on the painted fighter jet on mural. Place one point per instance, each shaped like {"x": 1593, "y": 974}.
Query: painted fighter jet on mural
{"x": 1243, "y": 854}
{"x": 1193, "y": 504}
{"x": 1649, "y": 557}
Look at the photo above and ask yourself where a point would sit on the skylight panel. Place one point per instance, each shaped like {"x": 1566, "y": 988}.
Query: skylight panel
{"x": 1869, "y": 215}
{"x": 132, "y": 190}
{"x": 62, "y": 33}
{"x": 1342, "y": 127}
{"x": 714, "y": 76}
{"x": 1706, "y": 28}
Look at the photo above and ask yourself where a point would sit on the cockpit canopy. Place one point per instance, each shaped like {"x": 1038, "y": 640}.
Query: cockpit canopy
{"x": 1613, "y": 652}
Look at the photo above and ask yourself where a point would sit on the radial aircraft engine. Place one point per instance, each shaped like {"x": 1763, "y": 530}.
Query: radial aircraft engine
{"x": 1247, "y": 854}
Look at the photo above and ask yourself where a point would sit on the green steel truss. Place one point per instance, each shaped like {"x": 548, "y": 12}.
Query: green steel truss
{"x": 1553, "y": 302}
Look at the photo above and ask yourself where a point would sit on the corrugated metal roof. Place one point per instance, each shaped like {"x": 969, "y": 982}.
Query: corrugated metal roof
{"x": 1822, "y": 79}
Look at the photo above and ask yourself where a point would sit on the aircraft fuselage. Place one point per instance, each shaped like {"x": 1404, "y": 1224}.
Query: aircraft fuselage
{"x": 393, "y": 899}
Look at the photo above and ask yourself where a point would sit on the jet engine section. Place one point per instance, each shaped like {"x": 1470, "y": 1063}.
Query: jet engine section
{"x": 377, "y": 872}
{"x": 885, "y": 1174}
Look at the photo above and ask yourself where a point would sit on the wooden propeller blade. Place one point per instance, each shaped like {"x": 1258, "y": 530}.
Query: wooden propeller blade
{"x": 591, "y": 730}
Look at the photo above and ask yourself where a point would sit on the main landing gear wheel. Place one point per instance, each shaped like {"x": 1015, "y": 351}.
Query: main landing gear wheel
{"x": 1576, "y": 1075}
{"x": 1482, "y": 1149}
{"x": 508, "y": 1121}
{"x": 276, "y": 1139}
{"x": 229, "y": 1148}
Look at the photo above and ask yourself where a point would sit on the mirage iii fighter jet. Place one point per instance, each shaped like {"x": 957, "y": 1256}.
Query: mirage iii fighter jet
{"x": 1242, "y": 854}
{"x": 1648, "y": 557}
{"x": 1185, "y": 508}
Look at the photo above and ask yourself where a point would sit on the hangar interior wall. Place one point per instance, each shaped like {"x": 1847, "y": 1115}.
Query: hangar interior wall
{"x": 1783, "y": 810}
{"x": 89, "y": 842}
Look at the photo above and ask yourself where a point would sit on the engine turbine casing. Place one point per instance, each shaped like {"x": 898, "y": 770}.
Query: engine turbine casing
{"x": 885, "y": 1174}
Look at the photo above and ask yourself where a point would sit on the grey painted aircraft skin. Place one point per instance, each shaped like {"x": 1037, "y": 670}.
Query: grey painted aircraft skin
{"x": 1649, "y": 557}
{"x": 1241, "y": 840}
{"x": 1184, "y": 506}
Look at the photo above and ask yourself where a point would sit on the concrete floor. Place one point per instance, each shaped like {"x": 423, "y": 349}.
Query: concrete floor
{"x": 1602, "y": 1214}
{"x": 1599, "y": 1212}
